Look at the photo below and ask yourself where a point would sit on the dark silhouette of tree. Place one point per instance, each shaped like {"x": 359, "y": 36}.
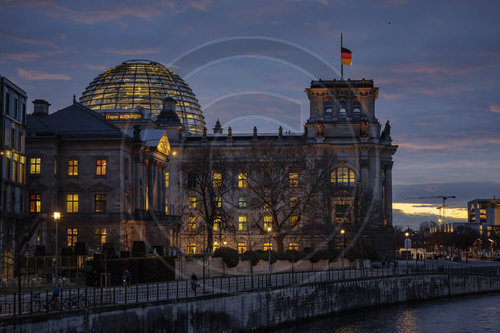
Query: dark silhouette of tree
{"x": 209, "y": 180}
{"x": 282, "y": 180}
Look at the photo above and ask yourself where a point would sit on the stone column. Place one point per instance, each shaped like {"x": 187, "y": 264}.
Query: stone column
{"x": 364, "y": 165}
{"x": 387, "y": 168}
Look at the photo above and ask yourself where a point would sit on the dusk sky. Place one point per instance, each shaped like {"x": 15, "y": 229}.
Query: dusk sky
{"x": 436, "y": 64}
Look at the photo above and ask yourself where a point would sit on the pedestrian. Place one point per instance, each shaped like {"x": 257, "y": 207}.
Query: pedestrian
{"x": 127, "y": 278}
{"x": 194, "y": 282}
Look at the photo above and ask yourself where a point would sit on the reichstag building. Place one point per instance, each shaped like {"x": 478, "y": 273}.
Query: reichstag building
{"x": 133, "y": 160}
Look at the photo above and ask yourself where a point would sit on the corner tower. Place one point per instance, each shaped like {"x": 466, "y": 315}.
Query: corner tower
{"x": 342, "y": 109}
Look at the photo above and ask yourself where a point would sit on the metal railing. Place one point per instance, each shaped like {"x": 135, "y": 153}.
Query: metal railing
{"x": 13, "y": 304}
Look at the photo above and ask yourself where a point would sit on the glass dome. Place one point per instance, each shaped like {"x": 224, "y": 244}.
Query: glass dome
{"x": 143, "y": 83}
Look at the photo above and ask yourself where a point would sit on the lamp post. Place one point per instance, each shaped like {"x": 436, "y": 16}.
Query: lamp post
{"x": 342, "y": 232}
{"x": 57, "y": 217}
{"x": 269, "y": 229}
{"x": 408, "y": 247}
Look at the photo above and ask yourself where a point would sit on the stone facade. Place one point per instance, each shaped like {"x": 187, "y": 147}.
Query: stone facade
{"x": 107, "y": 183}
{"x": 342, "y": 130}
{"x": 12, "y": 169}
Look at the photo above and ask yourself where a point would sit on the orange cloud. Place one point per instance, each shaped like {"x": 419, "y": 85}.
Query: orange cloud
{"x": 25, "y": 57}
{"x": 494, "y": 108}
{"x": 35, "y": 75}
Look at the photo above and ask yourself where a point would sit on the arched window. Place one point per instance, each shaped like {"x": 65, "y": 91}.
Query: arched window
{"x": 328, "y": 108}
{"x": 342, "y": 109}
{"x": 343, "y": 176}
{"x": 356, "y": 109}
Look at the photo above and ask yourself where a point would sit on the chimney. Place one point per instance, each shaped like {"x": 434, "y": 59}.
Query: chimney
{"x": 41, "y": 107}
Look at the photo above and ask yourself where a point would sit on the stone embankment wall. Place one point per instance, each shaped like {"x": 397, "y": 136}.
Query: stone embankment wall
{"x": 247, "y": 311}
{"x": 215, "y": 267}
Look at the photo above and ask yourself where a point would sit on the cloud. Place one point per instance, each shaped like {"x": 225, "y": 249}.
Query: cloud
{"x": 428, "y": 69}
{"x": 97, "y": 67}
{"x": 117, "y": 10}
{"x": 24, "y": 57}
{"x": 132, "y": 51}
{"x": 29, "y": 41}
{"x": 429, "y": 210}
{"x": 494, "y": 108}
{"x": 35, "y": 75}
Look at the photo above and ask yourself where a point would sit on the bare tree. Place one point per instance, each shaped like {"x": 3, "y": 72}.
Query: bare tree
{"x": 208, "y": 181}
{"x": 282, "y": 180}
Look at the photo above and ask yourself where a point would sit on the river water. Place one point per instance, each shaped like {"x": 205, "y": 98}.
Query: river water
{"x": 464, "y": 314}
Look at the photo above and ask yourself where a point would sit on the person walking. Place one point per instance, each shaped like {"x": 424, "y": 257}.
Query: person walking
{"x": 194, "y": 282}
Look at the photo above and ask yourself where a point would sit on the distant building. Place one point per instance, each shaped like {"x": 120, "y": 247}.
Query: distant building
{"x": 12, "y": 169}
{"x": 485, "y": 213}
{"x": 107, "y": 183}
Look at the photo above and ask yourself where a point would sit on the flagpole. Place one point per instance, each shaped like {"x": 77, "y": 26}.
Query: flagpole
{"x": 341, "y": 65}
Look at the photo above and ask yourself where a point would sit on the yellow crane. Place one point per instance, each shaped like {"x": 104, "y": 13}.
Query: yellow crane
{"x": 442, "y": 207}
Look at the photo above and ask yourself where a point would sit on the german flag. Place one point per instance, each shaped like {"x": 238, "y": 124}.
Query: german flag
{"x": 345, "y": 56}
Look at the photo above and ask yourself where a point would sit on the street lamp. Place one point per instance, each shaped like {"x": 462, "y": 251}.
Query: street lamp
{"x": 408, "y": 247}
{"x": 57, "y": 217}
{"x": 269, "y": 229}
{"x": 342, "y": 232}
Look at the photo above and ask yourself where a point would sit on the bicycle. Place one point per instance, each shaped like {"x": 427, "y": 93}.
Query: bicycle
{"x": 50, "y": 304}
{"x": 76, "y": 301}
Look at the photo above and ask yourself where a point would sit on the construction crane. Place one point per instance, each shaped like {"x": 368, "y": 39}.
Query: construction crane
{"x": 442, "y": 207}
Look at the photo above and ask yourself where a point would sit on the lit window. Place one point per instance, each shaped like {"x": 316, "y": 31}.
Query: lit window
{"x": 217, "y": 179}
{"x": 22, "y": 179}
{"x": 242, "y": 248}
{"x": 100, "y": 236}
{"x": 293, "y": 201}
{"x": 242, "y": 223}
{"x": 343, "y": 176}
{"x": 71, "y": 237}
{"x": 55, "y": 167}
{"x": 167, "y": 180}
{"x": 242, "y": 202}
{"x": 191, "y": 248}
{"x": 242, "y": 179}
{"x": 294, "y": 222}
{"x": 191, "y": 202}
{"x": 294, "y": 179}
{"x": 72, "y": 203}
{"x": 100, "y": 203}
{"x": 73, "y": 168}
{"x": 218, "y": 202}
{"x": 100, "y": 169}
{"x": 342, "y": 205}
{"x": 268, "y": 222}
{"x": 166, "y": 205}
{"x": 217, "y": 223}
{"x": 293, "y": 246}
{"x": 15, "y": 170}
{"x": 191, "y": 223}
{"x": 35, "y": 165}
{"x": 268, "y": 246}
{"x": 35, "y": 202}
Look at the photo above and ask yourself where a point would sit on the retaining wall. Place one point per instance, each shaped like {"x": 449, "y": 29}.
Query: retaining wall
{"x": 247, "y": 311}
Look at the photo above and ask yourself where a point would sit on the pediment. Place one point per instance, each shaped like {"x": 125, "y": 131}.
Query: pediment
{"x": 100, "y": 187}
{"x": 72, "y": 187}
{"x": 164, "y": 145}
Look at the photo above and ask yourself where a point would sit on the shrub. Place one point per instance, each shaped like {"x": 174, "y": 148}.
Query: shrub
{"x": 251, "y": 255}
{"x": 229, "y": 256}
